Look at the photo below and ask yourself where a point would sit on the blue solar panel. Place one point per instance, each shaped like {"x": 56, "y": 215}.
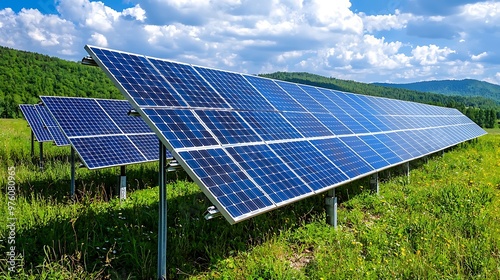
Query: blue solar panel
{"x": 35, "y": 122}
{"x": 117, "y": 111}
{"x": 253, "y": 144}
{"x": 307, "y": 124}
{"x": 51, "y": 125}
{"x": 275, "y": 95}
{"x": 106, "y": 151}
{"x": 270, "y": 125}
{"x": 139, "y": 79}
{"x": 189, "y": 85}
{"x": 80, "y": 117}
{"x": 370, "y": 155}
{"x": 102, "y": 132}
{"x": 228, "y": 127}
{"x": 345, "y": 159}
{"x": 270, "y": 173}
{"x": 182, "y": 127}
{"x": 313, "y": 167}
{"x": 226, "y": 183}
{"x": 236, "y": 90}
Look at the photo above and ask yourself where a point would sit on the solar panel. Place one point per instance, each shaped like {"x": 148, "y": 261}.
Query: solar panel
{"x": 254, "y": 144}
{"x": 51, "y": 125}
{"x": 101, "y": 132}
{"x": 35, "y": 122}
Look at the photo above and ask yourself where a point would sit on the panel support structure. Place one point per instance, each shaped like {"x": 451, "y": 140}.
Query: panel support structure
{"x": 32, "y": 145}
{"x": 122, "y": 188}
{"x": 407, "y": 171}
{"x": 331, "y": 208}
{"x": 40, "y": 144}
{"x": 374, "y": 183}
{"x": 72, "y": 188}
{"x": 162, "y": 215}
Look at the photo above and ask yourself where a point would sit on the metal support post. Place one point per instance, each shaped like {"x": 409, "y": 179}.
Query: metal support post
{"x": 374, "y": 184}
{"x": 32, "y": 145}
{"x": 123, "y": 183}
{"x": 407, "y": 171}
{"x": 72, "y": 188}
{"x": 41, "y": 155}
{"x": 331, "y": 208}
{"x": 162, "y": 215}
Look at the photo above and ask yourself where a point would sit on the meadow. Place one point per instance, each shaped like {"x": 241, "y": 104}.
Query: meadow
{"x": 441, "y": 223}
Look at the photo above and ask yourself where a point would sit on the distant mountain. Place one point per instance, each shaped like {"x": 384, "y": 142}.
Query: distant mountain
{"x": 467, "y": 87}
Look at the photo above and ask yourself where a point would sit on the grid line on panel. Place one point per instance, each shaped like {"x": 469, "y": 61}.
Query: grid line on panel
{"x": 51, "y": 125}
{"x": 228, "y": 184}
{"x": 235, "y": 89}
{"x": 138, "y": 78}
{"x": 312, "y": 166}
{"x": 343, "y": 157}
{"x": 366, "y": 152}
{"x": 117, "y": 111}
{"x": 189, "y": 84}
{"x": 307, "y": 124}
{"x": 280, "y": 99}
{"x": 302, "y": 97}
{"x": 269, "y": 172}
{"x": 35, "y": 122}
{"x": 91, "y": 119}
{"x": 383, "y": 150}
{"x": 181, "y": 127}
{"x": 228, "y": 127}
{"x": 270, "y": 125}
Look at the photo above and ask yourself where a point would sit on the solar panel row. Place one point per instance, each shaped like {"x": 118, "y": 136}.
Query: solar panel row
{"x": 101, "y": 132}
{"x": 254, "y": 144}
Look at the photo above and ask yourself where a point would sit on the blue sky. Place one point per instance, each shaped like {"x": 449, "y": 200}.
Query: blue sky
{"x": 396, "y": 41}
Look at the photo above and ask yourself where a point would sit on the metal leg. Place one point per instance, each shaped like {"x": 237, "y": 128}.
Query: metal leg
{"x": 331, "y": 208}
{"x": 407, "y": 171}
{"x": 374, "y": 184}
{"x": 32, "y": 145}
{"x": 162, "y": 216}
{"x": 123, "y": 183}
{"x": 41, "y": 155}
{"x": 72, "y": 189}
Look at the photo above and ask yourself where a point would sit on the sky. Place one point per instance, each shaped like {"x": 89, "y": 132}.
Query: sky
{"x": 395, "y": 41}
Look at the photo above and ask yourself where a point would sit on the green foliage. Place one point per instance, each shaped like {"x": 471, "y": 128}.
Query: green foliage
{"x": 24, "y": 76}
{"x": 479, "y": 109}
{"x": 465, "y": 87}
{"x": 442, "y": 224}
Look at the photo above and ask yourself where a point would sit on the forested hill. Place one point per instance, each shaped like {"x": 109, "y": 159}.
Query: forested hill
{"x": 465, "y": 87}
{"x": 25, "y": 75}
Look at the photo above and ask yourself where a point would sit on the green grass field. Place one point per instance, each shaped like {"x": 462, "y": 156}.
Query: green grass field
{"x": 442, "y": 224}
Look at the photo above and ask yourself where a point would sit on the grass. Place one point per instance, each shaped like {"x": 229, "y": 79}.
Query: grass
{"x": 442, "y": 224}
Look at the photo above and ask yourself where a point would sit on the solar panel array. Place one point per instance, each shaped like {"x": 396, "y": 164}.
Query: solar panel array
{"x": 101, "y": 132}
{"x": 253, "y": 144}
{"x": 35, "y": 122}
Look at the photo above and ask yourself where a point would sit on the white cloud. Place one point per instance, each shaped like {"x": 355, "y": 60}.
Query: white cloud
{"x": 430, "y": 55}
{"x": 374, "y": 23}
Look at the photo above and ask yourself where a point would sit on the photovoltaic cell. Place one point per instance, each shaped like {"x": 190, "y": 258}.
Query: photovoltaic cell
{"x": 274, "y": 94}
{"x": 102, "y": 132}
{"x": 253, "y": 144}
{"x": 226, "y": 182}
{"x": 35, "y": 122}
{"x": 270, "y": 125}
{"x": 51, "y": 125}
{"x": 182, "y": 127}
{"x": 269, "y": 172}
{"x": 189, "y": 85}
{"x": 312, "y": 166}
{"x": 235, "y": 90}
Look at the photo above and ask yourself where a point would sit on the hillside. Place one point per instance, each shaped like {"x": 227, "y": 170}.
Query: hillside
{"x": 25, "y": 75}
{"x": 466, "y": 87}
